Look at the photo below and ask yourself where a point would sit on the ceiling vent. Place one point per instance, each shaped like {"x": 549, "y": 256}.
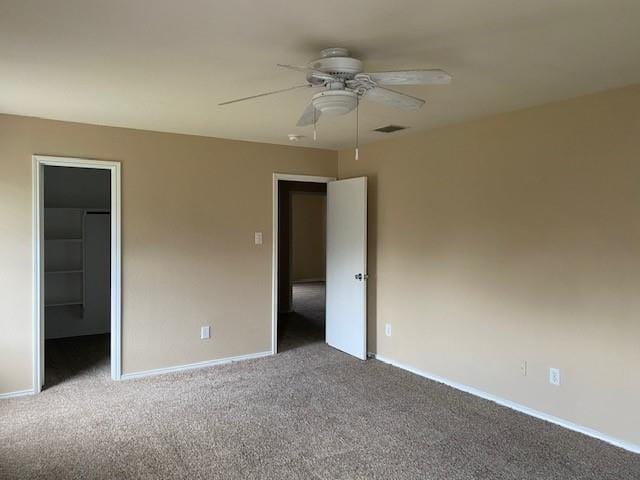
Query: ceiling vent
{"x": 389, "y": 129}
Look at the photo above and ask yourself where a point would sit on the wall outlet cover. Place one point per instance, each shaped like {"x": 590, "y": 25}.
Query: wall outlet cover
{"x": 387, "y": 329}
{"x": 554, "y": 376}
{"x": 258, "y": 238}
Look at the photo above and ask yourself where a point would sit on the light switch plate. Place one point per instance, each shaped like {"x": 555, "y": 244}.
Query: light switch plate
{"x": 258, "y": 238}
{"x": 205, "y": 332}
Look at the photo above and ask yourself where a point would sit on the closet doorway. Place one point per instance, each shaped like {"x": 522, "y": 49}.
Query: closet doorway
{"x": 76, "y": 269}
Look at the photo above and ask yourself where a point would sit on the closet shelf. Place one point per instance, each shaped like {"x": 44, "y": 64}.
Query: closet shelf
{"x": 63, "y": 303}
{"x": 82, "y": 209}
{"x": 54, "y": 272}
{"x": 63, "y": 240}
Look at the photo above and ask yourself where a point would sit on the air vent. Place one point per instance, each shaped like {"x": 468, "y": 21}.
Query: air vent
{"x": 389, "y": 129}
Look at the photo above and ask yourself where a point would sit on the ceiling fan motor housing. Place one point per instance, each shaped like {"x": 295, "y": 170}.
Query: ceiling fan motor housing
{"x": 337, "y": 62}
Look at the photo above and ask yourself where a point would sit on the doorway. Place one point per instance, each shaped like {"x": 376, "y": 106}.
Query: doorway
{"x": 307, "y": 306}
{"x": 301, "y": 263}
{"x": 76, "y": 269}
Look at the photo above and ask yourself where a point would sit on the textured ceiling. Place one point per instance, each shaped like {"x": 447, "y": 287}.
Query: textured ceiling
{"x": 165, "y": 64}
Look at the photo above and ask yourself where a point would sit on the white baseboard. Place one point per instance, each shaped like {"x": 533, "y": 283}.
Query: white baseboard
{"x": 514, "y": 406}
{"x": 192, "y": 366}
{"x": 19, "y": 393}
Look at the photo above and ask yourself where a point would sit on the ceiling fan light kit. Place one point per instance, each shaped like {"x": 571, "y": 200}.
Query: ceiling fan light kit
{"x": 345, "y": 84}
{"x": 334, "y": 102}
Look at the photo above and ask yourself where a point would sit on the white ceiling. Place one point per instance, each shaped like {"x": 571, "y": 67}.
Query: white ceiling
{"x": 166, "y": 64}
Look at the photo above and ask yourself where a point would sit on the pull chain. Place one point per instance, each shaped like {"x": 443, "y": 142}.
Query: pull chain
{"x": 357, "y": 125}
{"x": 315, "y": 130}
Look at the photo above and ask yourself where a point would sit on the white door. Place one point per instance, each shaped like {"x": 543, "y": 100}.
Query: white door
{"x": 346, "y": 324}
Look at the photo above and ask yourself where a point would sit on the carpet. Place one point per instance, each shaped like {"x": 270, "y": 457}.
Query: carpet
{"x": 305, "y": 323}
{"x": 309, "y": 413}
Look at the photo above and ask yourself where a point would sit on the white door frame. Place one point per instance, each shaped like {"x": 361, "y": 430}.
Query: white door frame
{"x": 274, "y": 279}
{"x": 39, "y": 161}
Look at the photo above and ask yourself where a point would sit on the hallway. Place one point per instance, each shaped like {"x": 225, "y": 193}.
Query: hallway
{"x": 306, "y": 323}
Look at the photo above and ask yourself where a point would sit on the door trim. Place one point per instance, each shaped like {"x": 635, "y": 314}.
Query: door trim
{"x": 274, "y": 246}
{"x": 39, "y": 161}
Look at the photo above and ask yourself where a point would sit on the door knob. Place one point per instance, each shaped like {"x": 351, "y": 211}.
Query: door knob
{"x": 360, "y": 276}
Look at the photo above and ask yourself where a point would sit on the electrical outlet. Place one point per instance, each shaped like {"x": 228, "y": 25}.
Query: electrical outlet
{"x": 523, "y": 368}
{"x": 554, "y": 376}
{"x": 258, "y": 238}
{"x": 387, "y": 329}
{"x": 205, "y": 332}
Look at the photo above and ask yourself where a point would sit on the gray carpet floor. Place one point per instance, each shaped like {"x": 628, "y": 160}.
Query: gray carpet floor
{"x": 310, "y": 412}
{"x": 305, "y": 324}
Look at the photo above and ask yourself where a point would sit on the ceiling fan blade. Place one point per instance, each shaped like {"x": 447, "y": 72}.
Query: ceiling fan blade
{"x": 265, "y": 94}
{"x": 394, "y": 99}
{"x": 315, "y": 73}
{"x": 308, "y": 117}
{"x": 410, "y": 77}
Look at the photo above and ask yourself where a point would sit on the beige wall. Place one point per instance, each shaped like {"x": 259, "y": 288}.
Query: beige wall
{"x": 190, "y": 206}
{"x": 308, "y": 223}
{"x": 512, "y": 238}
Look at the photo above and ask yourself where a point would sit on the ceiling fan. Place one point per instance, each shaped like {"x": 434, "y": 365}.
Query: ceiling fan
{"x": 344, "y": 83}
